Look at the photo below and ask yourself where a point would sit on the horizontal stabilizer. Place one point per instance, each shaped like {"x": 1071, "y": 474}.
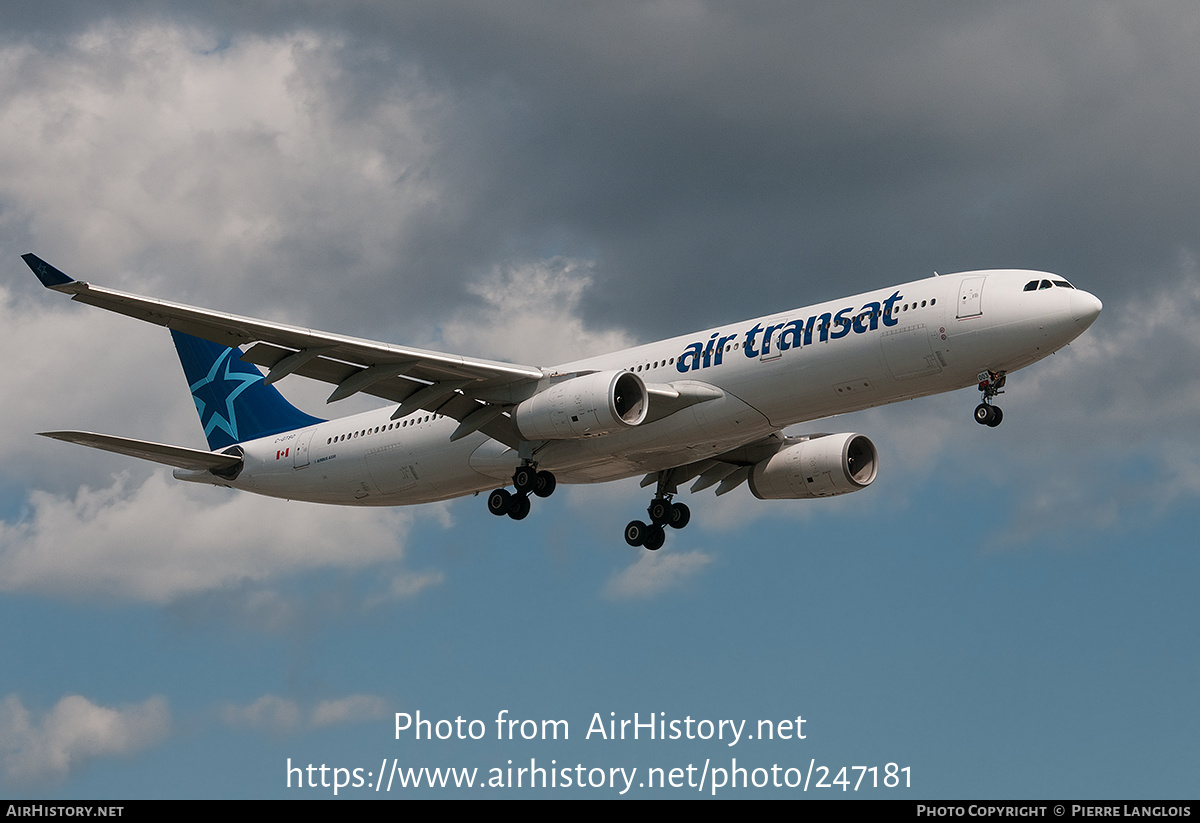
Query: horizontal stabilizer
{"x": 177, "y": 456}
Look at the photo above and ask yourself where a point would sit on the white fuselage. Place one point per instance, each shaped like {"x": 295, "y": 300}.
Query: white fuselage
{"x": 916, "y": 339}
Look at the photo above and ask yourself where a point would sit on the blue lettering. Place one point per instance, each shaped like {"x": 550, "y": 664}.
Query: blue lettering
{"x": 749, "y": 350}
{"x": 889, "y": 319}
{"x": 792, "y": 334}
{"x": 694, "y": 350}
{"x": 822, "y": 324}
{"x": 766, "y": 347}
{"x": 792, "y": 330}
{"x": 708, "y": 351}
{"x": 843, "y": 322}
{"x": 869, "y": 312}
{"x": 721, "y": 348}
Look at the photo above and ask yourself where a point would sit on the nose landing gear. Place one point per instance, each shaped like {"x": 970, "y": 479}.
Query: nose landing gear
{"x": 991, "y": 384}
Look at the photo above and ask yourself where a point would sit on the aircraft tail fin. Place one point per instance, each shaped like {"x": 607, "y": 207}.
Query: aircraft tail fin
{"x": 233, "y": 402}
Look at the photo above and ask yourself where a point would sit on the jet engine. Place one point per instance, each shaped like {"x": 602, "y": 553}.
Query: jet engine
{"x": 586, "y": 406}
{"x": 816, "y": 466}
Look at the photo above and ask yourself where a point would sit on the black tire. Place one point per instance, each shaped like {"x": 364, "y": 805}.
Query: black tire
{"x": 984, "y": 414}
{"x": 997, "y": 416}
{"x": 544, "y": 484}
{"x": 659, "y": 511}
{"x": 524, "y": 479}
{"x": 635, "y": 533}
{"x": 520, "y": 507}
{"x": 681, "y": 515}
{"x": 655, "y": 537}
{"x": 500, "y": 502}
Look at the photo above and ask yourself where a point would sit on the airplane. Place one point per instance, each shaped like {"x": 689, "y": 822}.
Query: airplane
{"x": 707, "y": 408}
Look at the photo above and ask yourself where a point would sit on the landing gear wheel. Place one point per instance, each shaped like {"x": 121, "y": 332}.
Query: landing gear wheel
{"x": 659, "y": 511}
{"x": 500, "y": 502}
{"x": 681, "y": 515}
{"x": 543, "y": 484}
{"x": 991, "y": 383}
{"x": 655, "y": 537}
{"x": 520, "y": 507}
{"x": 524, "y": 479}
{"x": 635, "y": 533}
{"x": 985, "y": 414}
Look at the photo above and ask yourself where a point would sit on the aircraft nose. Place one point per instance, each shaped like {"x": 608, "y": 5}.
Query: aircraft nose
{"x": 1085, "y": 308}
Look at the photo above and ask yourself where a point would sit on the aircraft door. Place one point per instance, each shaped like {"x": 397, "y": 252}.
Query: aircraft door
{"x": 302, "y": 443}
{"x": 770, "y": 349}
{"x": 970, "y": 297}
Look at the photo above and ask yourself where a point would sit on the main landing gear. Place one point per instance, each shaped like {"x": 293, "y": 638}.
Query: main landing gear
{"x": 991, "y": 384}
{"x": 663, "y": 512}
{"x": 526, "y": 480}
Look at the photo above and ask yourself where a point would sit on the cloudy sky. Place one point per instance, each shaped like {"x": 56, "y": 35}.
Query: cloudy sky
{"x": 1007, "y": 612}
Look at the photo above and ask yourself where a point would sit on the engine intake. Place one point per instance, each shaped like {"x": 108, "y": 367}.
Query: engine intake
{"x": 587, "y": 406}
{"x": 820, "y": 466}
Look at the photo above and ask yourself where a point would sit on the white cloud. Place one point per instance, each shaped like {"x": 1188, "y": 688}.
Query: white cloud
{"x": 352, "y": 709}
{"x": 279, "y": 715}
{"x": 529, "y": 314}
{"x": 75, "y": 731}
{"x": 654, "y": 572}
{"x": 163, "y": 539}
{"x": 408, "y": 585}
{"x": 269, "y": 712}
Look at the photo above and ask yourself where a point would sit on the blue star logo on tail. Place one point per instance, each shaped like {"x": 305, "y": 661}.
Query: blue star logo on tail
{"x": 238, "y": 382}
{"x": 233, "y": 402}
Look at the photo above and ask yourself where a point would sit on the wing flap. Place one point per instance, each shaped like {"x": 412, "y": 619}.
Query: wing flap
{"x": 178, "y": 456}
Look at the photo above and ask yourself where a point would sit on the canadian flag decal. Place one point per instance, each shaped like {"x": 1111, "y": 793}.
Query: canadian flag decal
{"x": 283, "y": 453}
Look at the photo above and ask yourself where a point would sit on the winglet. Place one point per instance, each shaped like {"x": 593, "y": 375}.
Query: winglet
{"x": 51, "y": 277}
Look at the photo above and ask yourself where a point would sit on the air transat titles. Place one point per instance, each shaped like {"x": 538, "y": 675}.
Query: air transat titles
{"x": 792, "y": 334}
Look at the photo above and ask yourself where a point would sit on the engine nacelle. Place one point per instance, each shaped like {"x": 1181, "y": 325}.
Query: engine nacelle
{"x": 586, "y": 406}
{"x": 821, "y": 466}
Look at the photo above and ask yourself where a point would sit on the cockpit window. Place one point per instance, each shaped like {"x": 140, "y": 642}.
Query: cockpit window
{"x": 1031, "y": 285}
{"x": 1064, "y": 284}
{"x": 1045, "y": 285}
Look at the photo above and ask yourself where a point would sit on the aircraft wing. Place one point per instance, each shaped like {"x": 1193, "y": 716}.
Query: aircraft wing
{"x": 458, "y": 387}
{"x": 177, "y": 456}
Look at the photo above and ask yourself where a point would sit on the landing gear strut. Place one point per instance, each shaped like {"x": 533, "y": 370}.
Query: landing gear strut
{"x": 663, "y": 512}
{"x": 991, "y": 384}
{"x": 526, "y": 480}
